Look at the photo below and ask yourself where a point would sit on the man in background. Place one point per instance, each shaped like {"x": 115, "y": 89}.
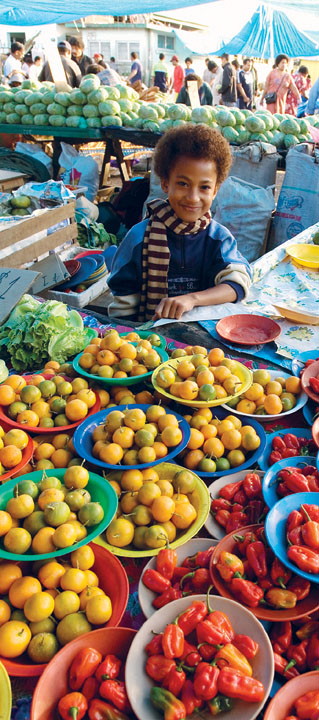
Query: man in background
{"x": 177, "y": 77}
{"x": 71, "y": 69}
{"x": 113, "y": 64}
{"x": 207, "y": 74}
{"x": 136, "y": 70}
{"x": 98, "y": 59}
{"x": 245, "y": 86}
{"x": 160, "y": 74}
{"x": 12, "y": 67}
{"x": 217, "y": 73}
{"x": 228, "y": 89}
{"x": 77, "y": 47}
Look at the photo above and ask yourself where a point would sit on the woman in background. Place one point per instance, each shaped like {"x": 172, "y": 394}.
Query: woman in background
{"x": 277, "y": 83}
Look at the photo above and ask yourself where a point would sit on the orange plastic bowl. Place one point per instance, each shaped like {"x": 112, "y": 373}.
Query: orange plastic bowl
{"x": 280, "y": 706}
{"x": 305, "y": 607}
{"x": 26, "y": 457}
{"x": 42, "y": 430}
{"x": 114, "y": 582}
{"x": 53, "y": 683}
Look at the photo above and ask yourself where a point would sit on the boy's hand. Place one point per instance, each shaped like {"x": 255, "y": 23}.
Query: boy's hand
{"x": 174, "y": 307}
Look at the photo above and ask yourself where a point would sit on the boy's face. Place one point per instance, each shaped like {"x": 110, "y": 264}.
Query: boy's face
{"x": 191, "y": 187}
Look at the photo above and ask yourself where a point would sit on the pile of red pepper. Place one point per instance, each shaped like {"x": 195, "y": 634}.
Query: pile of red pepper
{"x": 172, "y": 581}
{"x": 314, "y": 384}
{"x": 96, "y": 689}
{"x": 296, "y": 646}
{"x": 199, "y": 662}
{"x": 289, "y": 445}
{"x": 302, "y": 530}
{"x": 239, "y": 504}
{"x": 306, "y": 707}
{"x": 291, "y": 480}
{"x": 256, "y": 577}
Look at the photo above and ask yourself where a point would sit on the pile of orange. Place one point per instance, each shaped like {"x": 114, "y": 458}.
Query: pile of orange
{"x": 55, "y": 603}
{"x": 151, "y": 509}
{"x": 134, "y": 437}
{"x": 268, "y": 397}
{"x": 116, "y": 357}
{"x": 217, "y": 445}
{"x": 12, "y": 443}
{"x": 49, "y": 515}
{"x": 200, "y": 374}
{"x": 51, "y": 452}
{"x": 53, "y": 402}
{"x": 154, "y": 339}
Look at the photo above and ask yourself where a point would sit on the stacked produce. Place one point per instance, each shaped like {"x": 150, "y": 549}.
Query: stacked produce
{"x": 295, "y": 646}
{"x": 239, "y": 503}
{"x": 113, "y": 357}
{"x": 170, "y": 581}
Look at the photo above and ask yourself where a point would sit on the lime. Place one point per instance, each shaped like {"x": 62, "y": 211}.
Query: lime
{"x": 222, "y": 464}
{"x": 56, "y": 513}
{"x": 34, "y": 522}
{"x": 207, "y": 392}
{"x": 15, "y": 408}
{"x": 207, "y": 465}
{"x": 58, "y": 405}
{"x": 42, "y": 647}
{"x": 27, "y": 487}
{"x": 47, "y": 388}
{"x": 71, "y": 626}
{"x": 91, "y": 514}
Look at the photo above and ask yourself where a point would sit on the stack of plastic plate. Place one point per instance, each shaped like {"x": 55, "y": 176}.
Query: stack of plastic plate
{"x": 100, "y": 271}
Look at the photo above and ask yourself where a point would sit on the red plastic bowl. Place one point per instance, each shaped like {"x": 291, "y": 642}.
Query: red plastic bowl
{"x": 113, "y": 580}
{"x": 43, "y": 430}
{"x": 248, "y": 329}
{"x": 310, "y": 371}
{"x": 305, "y": 607}
{"x": 72, "y": 266}
{"x": 26, "y": 457}
{"x": 53, "y": 683}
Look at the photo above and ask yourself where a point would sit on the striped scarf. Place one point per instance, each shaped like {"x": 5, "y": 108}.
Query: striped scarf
{"x": 156, "y": 254}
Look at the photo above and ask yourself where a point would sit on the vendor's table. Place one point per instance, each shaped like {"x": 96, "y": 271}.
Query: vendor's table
{"x": 10, "y": 180}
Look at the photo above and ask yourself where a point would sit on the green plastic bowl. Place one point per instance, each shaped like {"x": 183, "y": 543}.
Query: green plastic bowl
{"x": 100, "y": 490}
{"x": 118, "y": 381}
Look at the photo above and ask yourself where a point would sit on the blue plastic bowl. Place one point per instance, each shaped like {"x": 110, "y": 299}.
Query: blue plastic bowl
{"x": 275, "y": 528}
{"x": 308, "y": 411}
{"x": 83, "y": 442}
{"x": 269, "y": 486}
{"x": 298, "y": 363}
{"x": 117, "y": 381}
{"x": 263, "y": 461}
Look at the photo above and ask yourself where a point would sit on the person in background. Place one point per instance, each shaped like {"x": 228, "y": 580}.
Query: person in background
{"x": 245, "y": 86}
{"x": 302, "y": 84}
{"x": 136, "y": 70}
{"x": 113, "y": 64}
{"x": 77, "y": 47}
{"x": 228, "y": 88}
{"x": 204, "y": 91}
{"x": 255, "y": 83}
{"x": 33, "y": 67}
{"x": 12, "y": 69}
{"x": 27, "y": 62}
{"x": 160, "y": 74}
{"x": 277, "y": 84}
{"x": 71, "y": 69}
{"x": 177, "y": 77}
{"x": 313, "y": 101}
{"x": 108, "y": 76}
{"x": 207, "y": 74}
{"x": 98, "y": 59}
{"x": 217, "y": 73}
{"x": 188, "y": 69}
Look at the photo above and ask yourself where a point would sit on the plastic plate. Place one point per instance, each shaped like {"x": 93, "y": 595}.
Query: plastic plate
{"x": 83, "y": 441}
{"x": 211, "y": 525}
{"x": 300, "y": 402}
{"x": 309, "y": 372}
{"x": 88, "y": 265}
{"x": 199, "y": 498}
{"x": 117, "y": 381}
{"x": 242, "y": 372}
{"x": 263, "y": 460}
{"x": 304, "y": 255}
{"x": 100, "y": 490}
{"x": 248, "y": 329}
{"x": 270, "y": 483}
{"x": 275, "y": 528}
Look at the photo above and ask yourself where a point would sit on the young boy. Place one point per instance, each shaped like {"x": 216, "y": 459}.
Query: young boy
{"x": 179, "y": 258}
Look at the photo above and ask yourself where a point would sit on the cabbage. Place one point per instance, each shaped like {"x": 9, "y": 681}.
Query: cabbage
{"x": 93, "y": 122}
{"x": 238, "y": 115}
{"x": 278, "y": 139}
{"x": 174, "y": 112}
{"x": 290, "y": 140}
{"x": 230, "y": 134}
{"x": 27, "y": 119}
{"x": 225, "y": 117}
{"x": 110, "y": 107}
{"x": 13, "y": 118}
{"x": 254, "y": 124}
{"x": 266, "y": 118}
{"x": 56, "y": 109}
{"x": 260, "y": 137}
{"x": 9, "y": 107}
{"x": 125, "y": 105}
{"x": 243, "y": 136}
{"x": 57, "y": 120}
{"x": 303, "y": 126}
{"x": 126, "y": 120}
{"x": 136, "y": 107}
{"x": 41, "y": 119}
{"x": 90, "y": 111}
{"x": 21, "y": 95}
{"x": 76, "y": 122}
{"x": 124, "y": 91}
{"x": 153, "y": 126}
{"x": 38, "y": 108}
{"x": 201, "y": 115}
{"x": 166, "y": 125}
{"x": 30, "y": 85}
{"x": 20, "y": 109}
{"x": 97, "y": 96}
{"x": 77, "y": 97}
{"x": 290, "y": 127}
{"x": 63, "y": 98}
{"x": 74, "y": 110}
{"x": 113, "y": 93}
{"x": 89, "y": 83}
{"x": 3, "y": 117}
{"x": 111, "y": 120}
{"x": 48, "y": 97}
{"x": 33, "y": 98}
{"x": 148, "y": 113}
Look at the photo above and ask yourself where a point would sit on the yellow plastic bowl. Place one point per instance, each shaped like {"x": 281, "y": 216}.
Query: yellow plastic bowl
{"x": 5, "y": 694}
{"x": 242, "y": 372}
{"x": 305, "y": 255}
{"x": 199, "y": 498}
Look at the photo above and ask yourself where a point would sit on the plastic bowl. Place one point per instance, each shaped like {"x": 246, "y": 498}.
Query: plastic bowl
{"x": 44, "y": 430}
{"x": 100, "y": 491}
{"x": 211, "y": 525}
{"x": 269, "y": 481}
{"x": 5, "y": 694}
{"x": 114, "y": 582}
{"x": 83, "y": 443}
{"x": 243, "y": 373}
{"x": 309, "y": 411}
{"x": 304, "y": 255}
{"x": 275, "y": 528}
{"x": 248, "y": 329}
{"x": 298, "y": 363}
{"x": 53, "y": 682}
{"x": 199, "y": 498}
{"x": 301, "y": 400}
{"x": 309, "y": 372}
{"x": 280, "y": 706}
{"x": 118, "y": 381}
{"x": 26, "y": 457}
{"x": 315, "y": 432}
{"x": 306, "y": 606}
{"x": 138, "y": 683}
{"x": 263, "y": 460}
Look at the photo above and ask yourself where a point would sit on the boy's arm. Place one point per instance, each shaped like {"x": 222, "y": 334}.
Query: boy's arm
{"x": 125, "y": 280}
{"x": 175, "y": 307}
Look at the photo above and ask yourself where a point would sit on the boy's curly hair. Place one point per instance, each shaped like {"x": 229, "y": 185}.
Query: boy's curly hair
{"x": 198, "y": 141}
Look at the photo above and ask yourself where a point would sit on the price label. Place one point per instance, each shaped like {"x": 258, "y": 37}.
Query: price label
{"x": 13, "y": 284}
{"x": 192, "y": 89}
{"x": 53, "y": 272}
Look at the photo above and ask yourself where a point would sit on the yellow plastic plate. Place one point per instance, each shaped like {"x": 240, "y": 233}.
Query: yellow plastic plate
{"x": 5, "y": 694}
{"x": 297, "y": 315}
{"x": 242, "y": 372}
{"x": 304, "y": 254}
{"x": 199, "y": 498}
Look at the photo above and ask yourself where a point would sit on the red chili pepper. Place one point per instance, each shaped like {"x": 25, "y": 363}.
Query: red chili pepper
{"x": 228, "y": 491}
{"x": 279, "y": 573}
{"x": 72, "y": 706}
{"x": 313, "y": 652}
{"x": 278, "y": 443}
{"x": 179, "y": 573}
{"x": 115, "y": 692}
{"x": 188, "y": 620}
{"x": 222, "y": 517}
{"x": 296, "y": 482}
{"x": 166, "y": 561}
{"x": 174, "y": 681}
{"x": 205, "y": 681}
{"x": 189, "y": 698}
{"x": 109, "y": 668}
{"x": 265, "y": 583}
{"x": 154, "y": 647}
{"x": 246, "y": 645}
{"x": 200, "y": 580}
{"x": 285, "y": 668}
{"x": 158, "y": 666}
{"x": 237, "y": 507}
{"x": 294, "y": 537}
{"x": 308, "y": 704}
{"x": 252, "y": 486}
{"x": 219, "y": 620}
{"x": 192, "y": 659}
{"x": 235, "y": 521}
{"x": 261, "y": 535}
{"x": 305, "y": 558}
{"x": 256, "y": 511}
{"x": 291, "y": 441}
{"x": 83, "y": 665}
{"x": 154, "y": 581}
{"x": 313, "y": 483}
{"x": 282, "y": 490}
{"x": 256, "y": 556}
{"x": 314, "y": 384}
{"x": 289, "y": 452}
{"x": 208, "y": 652}
{"x": 188, "y": 649}
{"x": 240, "y": 497}
{"x": 248, "y": 571}
{"x": 281, "y": 636}
{"x": 90, "y": 688}
{"x": 209, "y": 633}
{"x": 294, "y": 519}
{"x": 246, "y": 592}
{"x": 274, "y": 457}
{"x": 173, "y": 641}
{"x": 308, "y": 628}
{"x": 100, "y": 710}
{"x": 243, "y": 541}
{"x": 311, "y": 510}
{"x": 310, "y": 531}
{"x": 310, "y": 362}
{"x": 235, "y": 684}
{"x": 166, "y": 597}
{"x": 298, "y": 653}
{"x": 220, "y": 504}
{"x": 310, "y": 470}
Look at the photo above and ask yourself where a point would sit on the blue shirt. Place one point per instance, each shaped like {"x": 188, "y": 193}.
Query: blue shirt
{"x": 137, "y": 65}
{"x": 313, "y": 98}
{"x": 189, "y": 71}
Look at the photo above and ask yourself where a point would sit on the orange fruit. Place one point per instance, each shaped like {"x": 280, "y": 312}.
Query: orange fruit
{"x": 138, "y": 370}
{"x": 221, "y": 373}
{"x": 255, "y": 392}
{"x": 9, "y": 573}
{"x": 10, "y": 456}
{"x": 123, "y": 436}
{"x": 146, "y": 455}
{"x": 5, "y": 524}
{"x": 16, "y": 382}
{"x": 160, "y": 449}
{"x": 171, "y": 436}
{"x": 205, "y": 377}
{"x": 28, "y": 418}
{"x": 235, "y": 421}
{"x": 223, "y": 426}
{"x": 174, "y": 389}
{"x": 214, "y": 447}
{"x": 209, "y": 431}
{"x": 5, "y": 612}
{"x": 188, "y": 390}
{"x": 87, "y": 360}
{"x": 111, "y": 454}
{"x": 50, "y": 574}
{"x": 185, "y": 369}
{"x": 184, "y": 515}
{"x": 144, "y": 397}
{"x": 215, "y": 356}
{"x": 7, "y": 395}
{"x": 14, "y": 638}
{"x": 167, "y": 420}
{"x": 162, "y": 508}
{"x": 246, "y": 406}
{"x": 135, "y": 419}
{"x": 220, "y": 392}
{"x": 111, "y": 341}
{"x": 22, "y": 589}
{"x": 76, "y": 410}
{"x": 196, "y": 440}
{"x": 44, "y": 451}
{"x": 272, "y": 404}
{"x": 150, "y": 474}
{"x": 251, "y": 441}
{"x": 273, "y": 388}
{"x": 154, "y": 412}
{"x": 42, "y": 541}
{"x": 88, "y": 396}
{"x": 231, "y": 439}
{"x": 61, "y": 458}
{"x": 192, "y": 459}
{"x": 293, "y": 385}
{"x": 127, "y": 350}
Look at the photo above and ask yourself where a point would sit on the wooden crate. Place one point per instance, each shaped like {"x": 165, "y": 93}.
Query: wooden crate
{"x": 28, "y": 240}
{"x": 10, "y": 180}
